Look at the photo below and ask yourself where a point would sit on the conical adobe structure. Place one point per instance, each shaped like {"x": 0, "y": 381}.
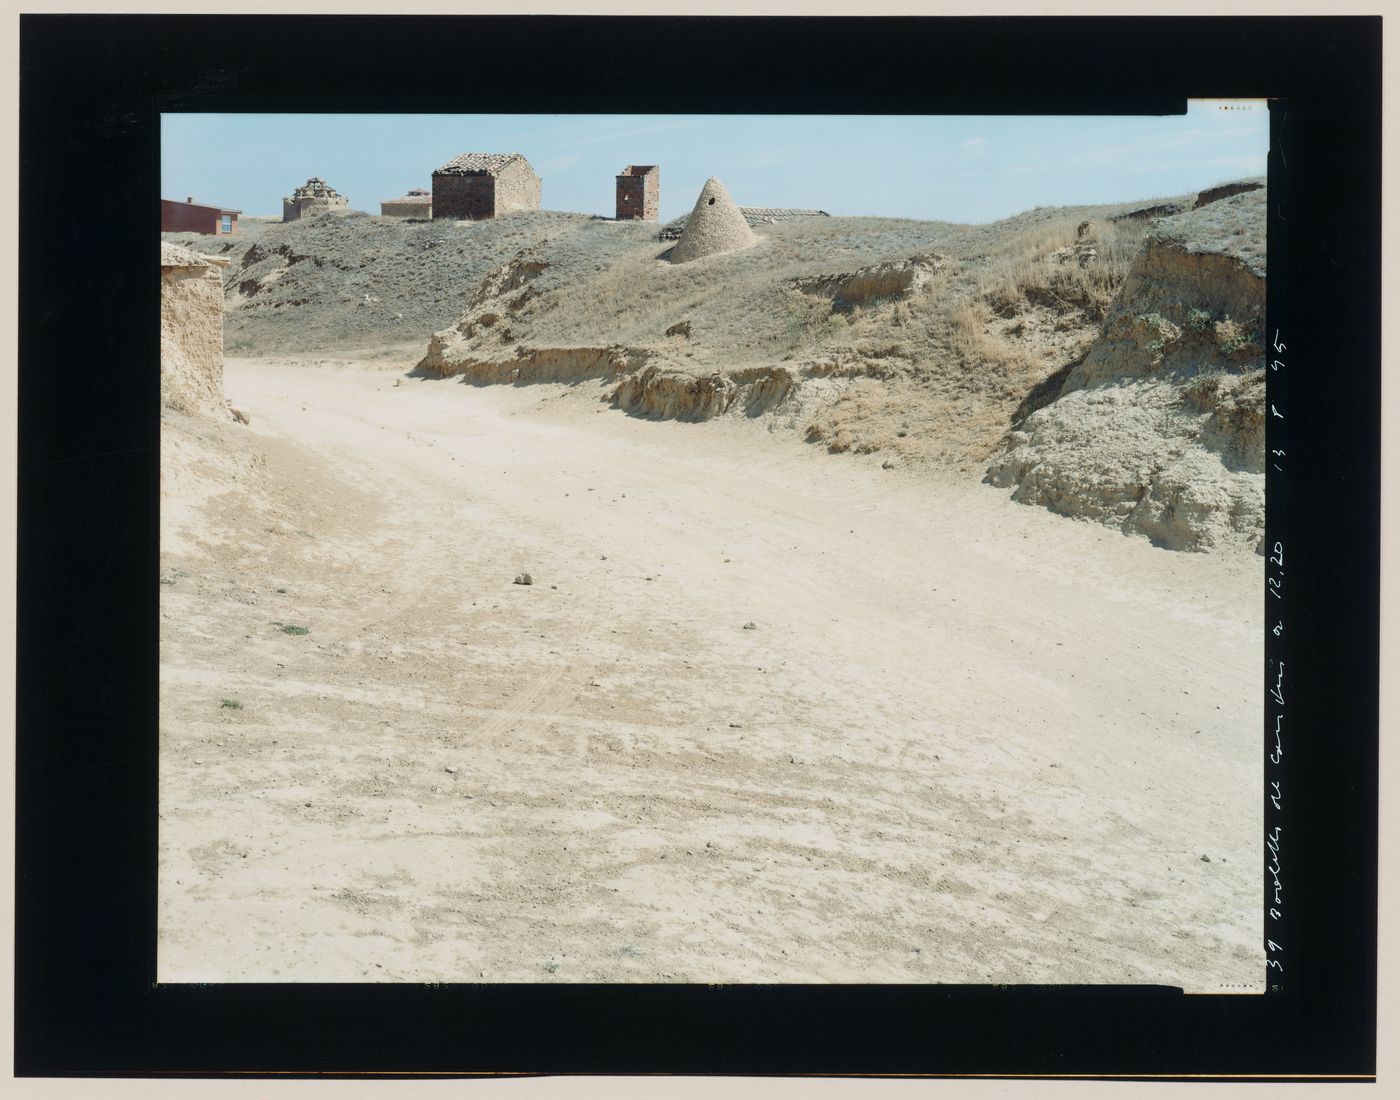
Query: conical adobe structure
{"x": 715, "y": 225}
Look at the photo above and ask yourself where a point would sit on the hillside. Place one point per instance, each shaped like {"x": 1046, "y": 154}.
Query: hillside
{"x": 1159, "y": 429}
{"x": 338, "y": 281}
{"x": 971, "y": 348}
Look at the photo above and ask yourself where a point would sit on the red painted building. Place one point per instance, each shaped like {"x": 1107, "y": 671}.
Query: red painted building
{"x": 192, "y": 217}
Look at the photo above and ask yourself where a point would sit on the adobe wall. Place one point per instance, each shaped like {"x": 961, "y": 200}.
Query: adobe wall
{"x": 192, "y": 338}
{"x": 292, "y": 209}
{"x": 517, "y": 188}
{"x": 407, "y": 208}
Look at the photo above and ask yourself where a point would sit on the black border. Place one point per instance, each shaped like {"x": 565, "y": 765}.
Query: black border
{"x": 92, "y": 88}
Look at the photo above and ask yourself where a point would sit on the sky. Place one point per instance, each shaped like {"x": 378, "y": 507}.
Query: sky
{"x": 969, "y": 168}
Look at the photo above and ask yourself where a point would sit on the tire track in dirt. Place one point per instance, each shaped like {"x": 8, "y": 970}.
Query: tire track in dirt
{"x": 874, "y": 782}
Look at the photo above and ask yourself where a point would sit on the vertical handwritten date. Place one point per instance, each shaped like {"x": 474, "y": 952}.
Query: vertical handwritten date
{"x": 1274, "y": 778}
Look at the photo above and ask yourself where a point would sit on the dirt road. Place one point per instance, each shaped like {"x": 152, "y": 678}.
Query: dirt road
{"x": 964, "y": 740}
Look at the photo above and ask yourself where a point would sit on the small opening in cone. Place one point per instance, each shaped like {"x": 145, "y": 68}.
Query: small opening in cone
{"x": 712, "y": 202}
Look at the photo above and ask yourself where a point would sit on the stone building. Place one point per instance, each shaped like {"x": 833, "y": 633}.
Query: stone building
{"x": 315, "y": 196}
{"x": 197, "y": 217}
{"x": 484, "y": 185}
{"x": 418, "y": 203}
{"x": 639, "y": 193}
{"x": 191, "y": 330}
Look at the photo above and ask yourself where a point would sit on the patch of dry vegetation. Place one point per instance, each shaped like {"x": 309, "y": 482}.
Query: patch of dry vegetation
{"x": 1053, "y": 267}
{"x": 1159, "y": 429}
{"x": 986, "y": 336}
{"x": 975, "y": 339}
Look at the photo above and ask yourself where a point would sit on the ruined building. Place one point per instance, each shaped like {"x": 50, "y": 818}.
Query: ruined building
{"x": 484, "y": 185}
{"x": 191, "y": 330}
{"x": 315, "y": 196}
{"x": 639, "y": 193}
{"x": 418, "y": 203}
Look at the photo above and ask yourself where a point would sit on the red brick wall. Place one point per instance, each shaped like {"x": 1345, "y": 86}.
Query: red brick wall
{"x": 639, "y": 196}
{"x": 184, "y": 217}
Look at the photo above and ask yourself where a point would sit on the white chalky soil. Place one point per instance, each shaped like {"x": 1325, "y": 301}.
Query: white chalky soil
{"x": 965, "y": 740}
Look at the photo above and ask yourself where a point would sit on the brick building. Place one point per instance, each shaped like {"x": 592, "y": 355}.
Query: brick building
{"x": 418, "y": 203}
{"x": 194, "y": 217}
{"x": 315, "y": 196}
{"x": 639, "y": 193}
{"x": 484, "y": 185}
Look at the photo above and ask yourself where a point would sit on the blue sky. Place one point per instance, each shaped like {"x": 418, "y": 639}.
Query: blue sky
{"x": 948, "y": 168}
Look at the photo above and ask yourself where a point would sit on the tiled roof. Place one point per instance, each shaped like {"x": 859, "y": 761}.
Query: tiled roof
{"x": 315, "y": 188}
{"x": 477, "y": 164}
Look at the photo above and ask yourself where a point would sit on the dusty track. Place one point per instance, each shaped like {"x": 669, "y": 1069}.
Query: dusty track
{"x": 968, "y": 741}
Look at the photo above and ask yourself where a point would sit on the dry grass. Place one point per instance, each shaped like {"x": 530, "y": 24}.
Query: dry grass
{"x": 975, "y": 341}
{"x": 911, "y": 421}
{"x": 1049, "y": 265}
{"x": 742, "y": 307}
{"x": 1232, "y": 227}
{"x": 946, "y": 366}
{"x": 964, "y": 354}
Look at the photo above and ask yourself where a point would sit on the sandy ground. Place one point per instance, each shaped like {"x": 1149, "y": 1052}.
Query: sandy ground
{"x": 965, "y": 740}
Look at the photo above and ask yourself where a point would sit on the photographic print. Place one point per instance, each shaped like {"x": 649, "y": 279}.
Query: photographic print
{"x": 744, "y": 546}
{"x": 713, "y": 549}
